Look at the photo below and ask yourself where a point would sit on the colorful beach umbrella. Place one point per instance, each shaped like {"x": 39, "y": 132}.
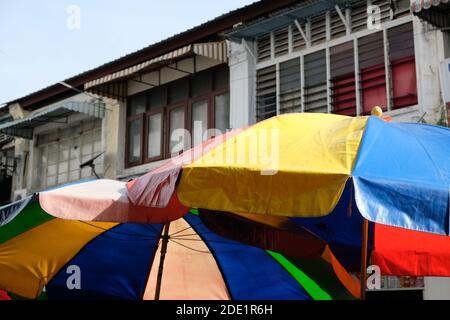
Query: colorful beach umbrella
{"x": 298, "y": 165}
{"x": 181, "y": 260}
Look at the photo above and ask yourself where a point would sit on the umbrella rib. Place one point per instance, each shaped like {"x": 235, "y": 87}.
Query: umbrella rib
{"x": 142, "y": 236}
{"x": 187, "y": 247}
{"x": 190, "y": 227}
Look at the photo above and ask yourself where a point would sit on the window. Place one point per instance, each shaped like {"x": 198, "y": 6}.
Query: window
{"x": 266, "y": 101}
{"x": 58, "y": 155}
{"x": 290, "y": 86}
{"x": 315, "y": 86}
{"x": 176, "y": 130}
{"x": 372, "y": 72}
{"x": 403, "y": 66}
{"x": 325, "y": 78}
{"x": 199, "y": 121}
{"x": 192, "y": 104}
{"x": 137, "y": 104}
{"x": 315, "y": 28}
{"x": 222, "y": 112}
{"x": 154, "y": 135}
{"x": 342, "y": 69}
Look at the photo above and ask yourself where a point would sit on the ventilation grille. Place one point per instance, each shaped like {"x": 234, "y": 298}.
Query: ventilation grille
{"x": 359, "y": 16}
{"x": 342, "y": 68}
{"x": 281, "y": 39}
{"x": 290, "y": 87}
{"x": 385, "y": 9}
{"x": 318, "y": 29}
{"x": 298, "y": 42}
{"x": 264, "y": 48}
{"x": 266, "y": 104}
{"x": 315, "y": 82}
{"x": 336, "y": 25}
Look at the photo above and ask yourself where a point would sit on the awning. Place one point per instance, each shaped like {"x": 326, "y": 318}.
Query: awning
{"x": 436, "y": 12}
{"x": 24, "y": 127}
{"x": 212, "y": 50}
{"x": 283, "y": 18}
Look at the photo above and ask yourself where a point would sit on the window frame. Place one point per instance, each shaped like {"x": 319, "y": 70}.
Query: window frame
{"x": 141, "y": 117}
{"x": 186, "y": 104}
{"x": 159, "y": 110}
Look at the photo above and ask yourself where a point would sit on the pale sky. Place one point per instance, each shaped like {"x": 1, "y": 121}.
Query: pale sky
{"x": 38, "y": 48}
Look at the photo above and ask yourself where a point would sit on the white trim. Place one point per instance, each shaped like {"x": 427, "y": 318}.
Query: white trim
{"x": 328, "y": 25}
{"x": 357, "y": 78}
{"x": 272, "y": 46}
{"x": 328, "y": 75}
{"x": 277, "y": 88}
{"x": 302, "y": 83}
{"x": 290, "y": 40}
{"x": 387, "y": 70}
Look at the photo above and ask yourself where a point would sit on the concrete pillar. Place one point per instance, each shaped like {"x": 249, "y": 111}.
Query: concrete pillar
{"x": 429, "y": 50}
{"x": 242, "y": 85}
{"x": 111, "y": 138}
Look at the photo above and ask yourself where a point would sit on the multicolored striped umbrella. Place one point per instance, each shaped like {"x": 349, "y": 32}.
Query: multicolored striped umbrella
{"x": 181, "y": 260}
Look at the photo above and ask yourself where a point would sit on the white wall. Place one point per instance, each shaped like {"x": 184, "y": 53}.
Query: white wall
{"x": 242, "y": 85}
{"x": 436, "y": 288}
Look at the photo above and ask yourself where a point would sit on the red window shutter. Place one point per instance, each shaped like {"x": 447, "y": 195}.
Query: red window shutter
{"x": 373, "y": 86}
{"x": 344, "y": 97}
{"x": 404, "y": 84}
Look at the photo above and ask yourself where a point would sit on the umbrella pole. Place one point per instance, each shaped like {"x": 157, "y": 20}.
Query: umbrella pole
{"x": 165, "y": 240}
{"x": 364, "y": 245}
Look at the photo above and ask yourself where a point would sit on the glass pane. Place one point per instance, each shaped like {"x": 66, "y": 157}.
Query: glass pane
{"x": 201, "y": 83}
{"x": 179, "y": 91}
{"x": 199, "y": 121}
{"x": 134, "y": 140}
{"x": 136, "y": 104}
{"x": 157, "y": 97}
{"x": 222, "y": 112}
{"x": 154, "y": 135}
{"x": 176, "y": 137}
{"x": 221, "y": 77}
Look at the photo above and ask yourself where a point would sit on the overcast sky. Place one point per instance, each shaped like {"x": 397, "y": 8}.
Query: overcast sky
{"x": 42, "y": 42}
